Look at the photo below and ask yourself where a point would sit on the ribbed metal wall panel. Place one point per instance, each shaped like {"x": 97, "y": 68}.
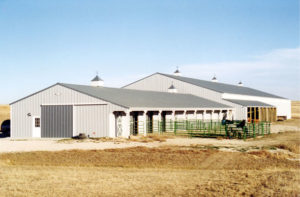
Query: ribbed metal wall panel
{"x": 57, "y": 121}
{"x": 93, "y": 120}
{"x": 21, "y": 123}
{"x": 161, "y": 83}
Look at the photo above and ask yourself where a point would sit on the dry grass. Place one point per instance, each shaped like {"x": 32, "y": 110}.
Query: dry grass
{"x": 289, "y": 140}
{"x": 87, "y": 181}
{"x": 142, "y": 157}
{"x": 164, "y": 171}
{"x": 296, "y": 109}
{"x": 171, "y": 171}
{"x": 4, "y": 113}
{"x": 294, "y": 147}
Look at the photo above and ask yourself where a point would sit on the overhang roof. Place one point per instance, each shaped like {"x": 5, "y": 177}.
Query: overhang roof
{"x": 138, "y": 98}
{"x": 247, "y": 103}
{"x": 223, "y": 87}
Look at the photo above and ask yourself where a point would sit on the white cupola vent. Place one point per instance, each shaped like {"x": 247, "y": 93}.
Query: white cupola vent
{"x": 97, "y": 82}
{"x": 177, "y": 72}
{"x": 240, "y": 84}
{"x": 214, "y": 79}
{"x": 172, "y": 89}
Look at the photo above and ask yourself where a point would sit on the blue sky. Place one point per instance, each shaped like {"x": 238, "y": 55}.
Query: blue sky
{"x": 44, "y": 42}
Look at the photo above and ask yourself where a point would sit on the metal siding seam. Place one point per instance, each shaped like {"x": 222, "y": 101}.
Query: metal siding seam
{"x": 63, "y": 123}
{"x": 54, "y": 124}
{"x": 56, "y": 121}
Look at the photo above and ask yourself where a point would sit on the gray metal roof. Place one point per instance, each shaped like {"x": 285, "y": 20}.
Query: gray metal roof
{"x": 139, "y": 98}
{"x": 247, "y": 103}
{"x": 222, "y": 87}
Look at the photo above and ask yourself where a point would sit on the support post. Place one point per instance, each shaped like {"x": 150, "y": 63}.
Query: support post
{"x": 126, "y": 124}
{"x": 159, "y": 121}
{"x": 173, "y": 121}
{"x": 144, "y": 122}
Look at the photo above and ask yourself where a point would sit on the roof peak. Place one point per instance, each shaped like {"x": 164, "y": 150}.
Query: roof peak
{"x": 97, "y": 78}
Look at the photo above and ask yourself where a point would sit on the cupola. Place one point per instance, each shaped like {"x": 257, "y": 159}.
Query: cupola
{"x": 172, "y": 89}
{"x": 214, "y": 79}
{"x": 97, "y": 82}
{"x": 177, "y": 72}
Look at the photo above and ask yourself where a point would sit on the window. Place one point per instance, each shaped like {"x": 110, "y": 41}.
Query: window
{"x": 37, "y": 122}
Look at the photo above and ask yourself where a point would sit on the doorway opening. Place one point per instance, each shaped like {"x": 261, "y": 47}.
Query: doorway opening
{"x": 150, "y": 122}
{"x": 135, "y": 123}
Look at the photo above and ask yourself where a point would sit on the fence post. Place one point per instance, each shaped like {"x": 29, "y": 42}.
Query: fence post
{"x": 175, "y": 126}
{"x": 186, "y": 125}
{"x": 158, "y": 126}
{"x": 253, "y": 129}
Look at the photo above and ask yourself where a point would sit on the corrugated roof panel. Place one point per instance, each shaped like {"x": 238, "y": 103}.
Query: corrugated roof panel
{"x": 223, "y": 87}
{"x": 139, "y": 98}
{"x": 247, "y": 103}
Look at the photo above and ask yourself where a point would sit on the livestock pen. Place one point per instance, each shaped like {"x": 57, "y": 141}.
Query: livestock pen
{"x": 199, "y": 128}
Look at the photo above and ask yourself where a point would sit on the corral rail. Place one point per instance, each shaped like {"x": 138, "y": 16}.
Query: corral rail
{"x": 198, "y": 128}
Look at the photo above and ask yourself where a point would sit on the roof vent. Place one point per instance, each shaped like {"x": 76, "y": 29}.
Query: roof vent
{"x": 177, "y": 72}
{"x": 97, "y": 82}
{"x": 240, "y": 83}
{"x": 214, "y": 79}
{"x": 172, "y": 89}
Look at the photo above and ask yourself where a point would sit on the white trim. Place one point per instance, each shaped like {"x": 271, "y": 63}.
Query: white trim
{"x": 175, "y": 109}
{"x": 74, "y": 104}
{"x": 36, "y": 131}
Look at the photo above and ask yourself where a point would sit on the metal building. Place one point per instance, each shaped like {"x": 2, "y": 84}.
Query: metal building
{"x": 65, "y": 110}
{"x": 249, "y": 104}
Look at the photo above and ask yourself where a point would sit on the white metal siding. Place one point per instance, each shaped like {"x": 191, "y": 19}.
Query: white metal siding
{"x": 283, "y": 105}
{"x": 21, "y": 124}
{"x": 93, "y": 120}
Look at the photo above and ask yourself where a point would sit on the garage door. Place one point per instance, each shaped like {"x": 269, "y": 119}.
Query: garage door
{"x": 57, "y": 121}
